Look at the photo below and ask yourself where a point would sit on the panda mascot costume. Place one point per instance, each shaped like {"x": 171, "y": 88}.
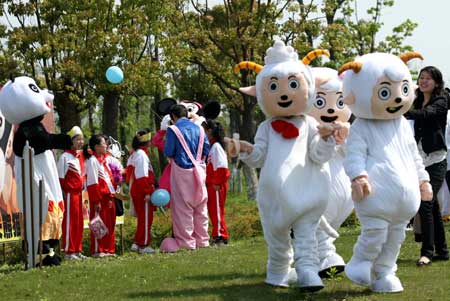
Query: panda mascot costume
{"x": 24, "y": 104}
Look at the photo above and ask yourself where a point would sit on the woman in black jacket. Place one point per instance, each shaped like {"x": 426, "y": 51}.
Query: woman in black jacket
{"x": 429, "y": 113}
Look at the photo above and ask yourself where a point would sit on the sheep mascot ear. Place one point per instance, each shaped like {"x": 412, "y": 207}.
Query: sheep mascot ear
{"x": 247, "y": 65}
{"x": 356, "y": 67}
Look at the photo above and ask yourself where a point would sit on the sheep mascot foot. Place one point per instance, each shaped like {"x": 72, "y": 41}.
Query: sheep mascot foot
{"x": 282, "y": 280}
{"x": 359, "y": 271}
{"x": 387, "y": 284}
{"x": 309, "y": 280}
{"x": 331, "y": 265}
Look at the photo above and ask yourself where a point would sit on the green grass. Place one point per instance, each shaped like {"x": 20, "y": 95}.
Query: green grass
{"x": 234, "y": 272}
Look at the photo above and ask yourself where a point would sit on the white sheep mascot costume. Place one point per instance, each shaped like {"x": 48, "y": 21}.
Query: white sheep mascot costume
{"x": 387, "y": 173}
{"x": 329, "y": 107}
{"x": 291, "y": 149}
{"x": 24, "y": 104}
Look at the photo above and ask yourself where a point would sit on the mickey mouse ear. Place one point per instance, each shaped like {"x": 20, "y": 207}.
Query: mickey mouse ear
{"x": 164, "y": 105}
{"x": 211, "y": 110}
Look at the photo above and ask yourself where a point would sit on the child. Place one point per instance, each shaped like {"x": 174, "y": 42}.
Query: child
{"x": 217, "y": 175}
{"x": 141, "y": 187}
{"x": 101, "y": 195}
{"x": 71, "y": 176}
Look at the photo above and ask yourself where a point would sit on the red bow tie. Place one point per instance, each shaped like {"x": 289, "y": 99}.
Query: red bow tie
{"x": 286, "y": 129}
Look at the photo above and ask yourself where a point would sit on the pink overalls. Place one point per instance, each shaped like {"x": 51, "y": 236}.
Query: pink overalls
{"x": 188, "y": 201}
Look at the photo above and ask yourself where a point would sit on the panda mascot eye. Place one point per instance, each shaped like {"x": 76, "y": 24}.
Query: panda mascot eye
{"x": 34, "y": 88}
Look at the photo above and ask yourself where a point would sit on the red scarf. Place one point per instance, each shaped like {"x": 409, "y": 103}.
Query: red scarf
{"x": 286, "y": 129}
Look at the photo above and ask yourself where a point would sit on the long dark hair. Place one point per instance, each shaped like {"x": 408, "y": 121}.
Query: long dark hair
{"x": 217, "y": 130}
{"x": 95, "y": 140}
{"x": 436, "y": 75}
{"x": 135, "y": 144}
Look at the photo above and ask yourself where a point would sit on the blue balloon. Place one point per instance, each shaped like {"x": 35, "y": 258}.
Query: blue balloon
{"x": 160, "y": 197}
{"x": 114, "y": 75}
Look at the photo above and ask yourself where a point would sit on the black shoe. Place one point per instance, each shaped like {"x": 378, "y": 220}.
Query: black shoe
{"x": 219, "y": 240}
{"x": 442, "y": 257}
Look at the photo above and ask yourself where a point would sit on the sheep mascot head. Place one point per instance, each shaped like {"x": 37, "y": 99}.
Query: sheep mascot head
{"x": 284, "y": 85}
{"x": 329, "y": 102}
{"x": 379, "y": 85}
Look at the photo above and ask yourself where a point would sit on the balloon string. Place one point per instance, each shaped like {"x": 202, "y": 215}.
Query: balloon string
{"x": 137, "y": 96}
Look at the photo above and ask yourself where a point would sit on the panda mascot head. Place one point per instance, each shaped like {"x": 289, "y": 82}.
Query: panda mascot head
{"x": 21, "y": 99}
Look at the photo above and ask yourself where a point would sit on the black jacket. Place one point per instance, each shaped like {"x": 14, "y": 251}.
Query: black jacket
{"x": 38, "y": 137}
{"x": 430, "y": 123}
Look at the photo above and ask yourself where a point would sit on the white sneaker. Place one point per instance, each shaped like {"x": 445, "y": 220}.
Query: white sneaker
{"x": 134, "y": 248}
{"x": 81, "y": 256}
{"x": 71, "y": 257}
{"x": 146, "y": 250}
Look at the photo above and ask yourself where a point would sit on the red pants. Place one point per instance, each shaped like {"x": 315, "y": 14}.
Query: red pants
{"x": 216, "y": 210}
{"x": 108, "y": 214}
{"x": 144, "y": 211}
{"x": 73, "y": 224}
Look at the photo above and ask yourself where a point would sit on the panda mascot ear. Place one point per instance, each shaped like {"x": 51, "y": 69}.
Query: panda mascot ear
{"x": 163, "y": 106}
{"x": 211, "y": 110}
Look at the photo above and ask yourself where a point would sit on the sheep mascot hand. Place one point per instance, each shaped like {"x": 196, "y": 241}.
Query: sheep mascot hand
{"x": 329, "y": 108}
{"x": 23, "y": 103}
{"x": 294, "y": 182}
{"x": 383, "y": 163}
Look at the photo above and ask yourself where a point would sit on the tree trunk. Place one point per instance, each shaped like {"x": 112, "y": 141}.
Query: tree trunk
{"x": 251, "y": 181}
{"x": 157, "y": 121}
{"x": 68, "y": 112}
{"x": 110, "y": 117}
{"x": 91, "y": 117}
{"x": 122, "y": 128}
{"x": 247, "y": 132}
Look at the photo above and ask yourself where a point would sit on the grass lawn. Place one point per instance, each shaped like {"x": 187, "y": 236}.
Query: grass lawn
{"x": 234, "y": 272}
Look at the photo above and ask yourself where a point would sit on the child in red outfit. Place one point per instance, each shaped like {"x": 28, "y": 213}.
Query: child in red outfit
{"x": 217, "y": 175}
{"x": 101, "y": 191}
{"x": 142, "y": 180}
{"x": 71, "y": 176}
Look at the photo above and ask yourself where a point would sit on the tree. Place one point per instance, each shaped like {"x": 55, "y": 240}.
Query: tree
{"x": 70, "y": 44}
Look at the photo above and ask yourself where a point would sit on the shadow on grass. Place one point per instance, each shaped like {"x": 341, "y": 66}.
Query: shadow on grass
{"x": 257, "y": 291}
{"x": 228, "y": 276}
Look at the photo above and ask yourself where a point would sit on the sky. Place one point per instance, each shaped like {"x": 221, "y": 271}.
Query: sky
{"x": 430, "y": 38}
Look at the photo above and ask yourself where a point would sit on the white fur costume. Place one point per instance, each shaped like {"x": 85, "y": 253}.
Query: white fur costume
{"x": 294, "y": 182}
{"x": 381, "y": 146}
{"x": 444, "y": 194}
{"x": 329, "y": 107}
